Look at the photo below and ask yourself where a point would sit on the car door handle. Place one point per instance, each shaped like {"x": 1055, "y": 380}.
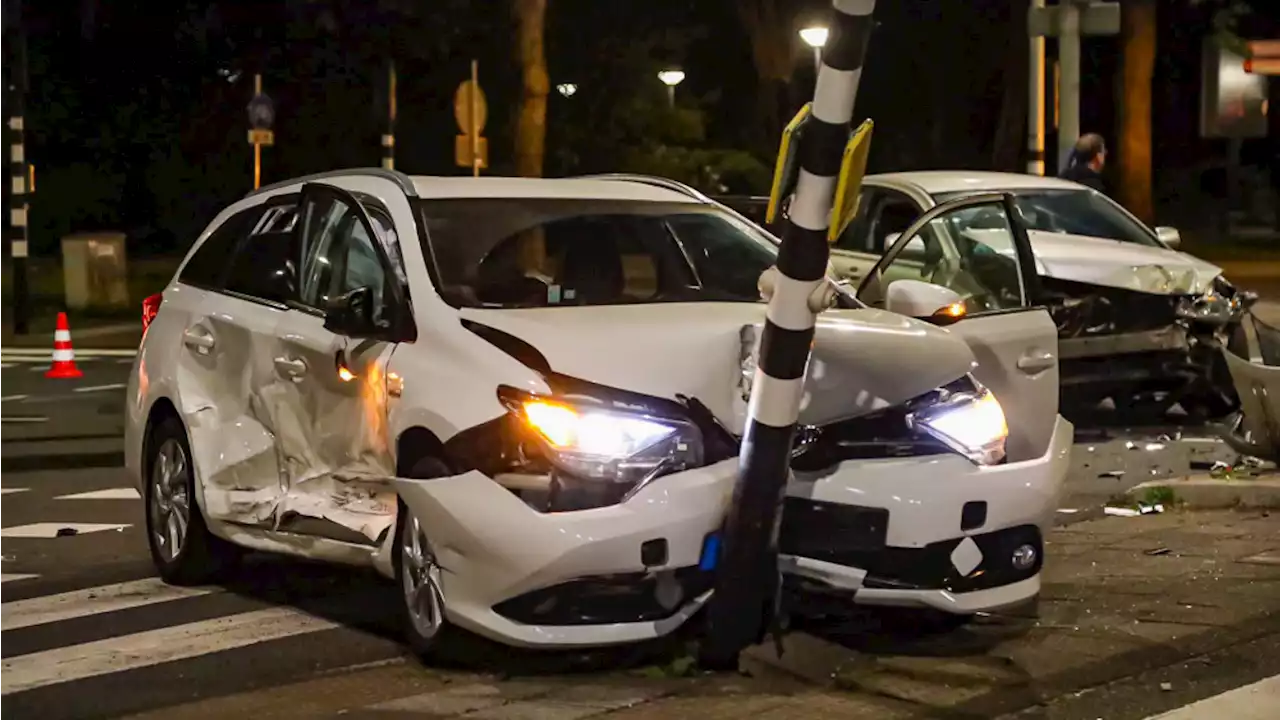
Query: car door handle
{"x": 293, "y": 368}
{"x": 199, "y": 340}
{"x": 1032, "y": 363}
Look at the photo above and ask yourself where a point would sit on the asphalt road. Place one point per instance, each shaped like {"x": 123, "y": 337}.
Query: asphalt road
{"x": 89, "y": 632}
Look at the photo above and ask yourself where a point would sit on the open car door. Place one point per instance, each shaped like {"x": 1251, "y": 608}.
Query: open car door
{"x": 967, "y": 264}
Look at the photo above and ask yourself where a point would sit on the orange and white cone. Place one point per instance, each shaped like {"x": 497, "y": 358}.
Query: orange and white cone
{"x": 64, "y": 358}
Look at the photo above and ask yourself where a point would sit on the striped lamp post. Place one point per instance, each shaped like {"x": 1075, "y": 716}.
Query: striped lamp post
{"x": 747, "y": 580}
{"x": 16, "y": 86}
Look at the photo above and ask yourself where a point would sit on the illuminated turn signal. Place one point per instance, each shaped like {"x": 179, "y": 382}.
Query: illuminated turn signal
{"x": 557, "y": 423}
{"x": 948, "y": 314}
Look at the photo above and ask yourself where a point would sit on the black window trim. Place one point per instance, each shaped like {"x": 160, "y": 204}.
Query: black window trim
{"x": 403, "y": 326}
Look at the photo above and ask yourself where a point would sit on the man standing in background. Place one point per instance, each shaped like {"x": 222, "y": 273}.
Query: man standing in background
{"x": 1086, "y": 161}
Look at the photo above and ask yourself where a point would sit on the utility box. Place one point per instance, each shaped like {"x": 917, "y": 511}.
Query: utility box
{"x": 94, "y": 270}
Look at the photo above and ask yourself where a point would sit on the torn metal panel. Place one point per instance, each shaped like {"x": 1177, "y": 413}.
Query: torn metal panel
{"x": 1255, "y": 429}
{"x": 1169, "y": 338}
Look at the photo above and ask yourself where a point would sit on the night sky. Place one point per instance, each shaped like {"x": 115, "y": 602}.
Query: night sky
{"x": 136, "y": 113}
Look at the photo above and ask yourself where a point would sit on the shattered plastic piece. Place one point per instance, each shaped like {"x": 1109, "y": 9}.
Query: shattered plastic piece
{"x": 1120, "y": 512}
{"x": 1145, "y": 509}
{"x": 1112, "y": 473}
{"x": 1151, "y": 447}
{"x": 1068, "y": 511}
{"x": 1166, "y": 686}
{"x": 1131, "y": 445}
{"x": 1164, "y": 438}
{"x": 1158, "y": 551}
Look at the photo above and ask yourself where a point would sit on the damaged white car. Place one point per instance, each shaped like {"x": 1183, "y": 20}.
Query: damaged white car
{"x": 523, "y": 400}
{"x": 1139, "y": 322}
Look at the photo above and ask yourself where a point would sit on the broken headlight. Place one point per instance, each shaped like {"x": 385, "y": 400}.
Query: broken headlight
{"x": 1219, "y": 304}
{"x": 970, "y": 423}
{"x": 604, "y": 452}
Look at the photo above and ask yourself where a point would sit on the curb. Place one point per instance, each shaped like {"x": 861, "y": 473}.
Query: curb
{"x": 1202, "y": 492}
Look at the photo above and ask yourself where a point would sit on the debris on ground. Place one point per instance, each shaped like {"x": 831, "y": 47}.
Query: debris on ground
{"x": 1112, "y": 473}
{"x": 1141, "y": 509}
{"x": 67, "y": 532}
{"x": 1158, "y": 551}
{"x": 1166, "y": 686}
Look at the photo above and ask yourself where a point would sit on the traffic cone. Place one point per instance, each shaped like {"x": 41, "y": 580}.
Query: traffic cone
{"x": 64, "y": 358}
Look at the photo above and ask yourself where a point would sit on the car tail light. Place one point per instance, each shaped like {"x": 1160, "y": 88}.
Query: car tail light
{"x": 150, "y": 307}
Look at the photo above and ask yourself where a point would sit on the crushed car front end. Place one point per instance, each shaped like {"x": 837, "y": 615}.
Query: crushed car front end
{"x": 1144, "y": 349}
{"x": 589, "y": 514}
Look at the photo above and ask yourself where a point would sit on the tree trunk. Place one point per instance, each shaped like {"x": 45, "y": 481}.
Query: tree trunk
{"x": 1011, "y": 125}
{"x": 1133, "y": 156}
{"x": 531, "y": 125}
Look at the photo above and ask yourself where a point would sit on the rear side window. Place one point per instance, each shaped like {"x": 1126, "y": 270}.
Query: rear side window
{"x": 205, "y": 268}
{"x": 264, "y": 266}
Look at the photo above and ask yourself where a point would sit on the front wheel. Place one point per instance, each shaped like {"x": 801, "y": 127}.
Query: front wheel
{"x": 419, "y": 578}
{"x": 182, "y": 548}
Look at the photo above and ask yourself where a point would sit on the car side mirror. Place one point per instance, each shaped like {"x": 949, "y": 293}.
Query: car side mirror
{"x": 924, "y": 301}
{"x": 1169, "y": 236}
{"x": 351, "y": 314}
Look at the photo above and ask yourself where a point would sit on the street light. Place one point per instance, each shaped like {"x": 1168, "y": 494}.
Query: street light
{"x": 671, "y": 78}
{"x": 815, "y": 36}
{"x": 567, "y": 89}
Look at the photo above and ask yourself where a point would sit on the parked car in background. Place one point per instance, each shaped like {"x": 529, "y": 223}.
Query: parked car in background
{"x": 523, "y": 400}
{"x": 1140, "y": 323}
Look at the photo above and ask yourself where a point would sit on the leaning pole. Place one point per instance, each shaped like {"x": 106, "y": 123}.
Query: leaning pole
{"x": 747, "y": 580}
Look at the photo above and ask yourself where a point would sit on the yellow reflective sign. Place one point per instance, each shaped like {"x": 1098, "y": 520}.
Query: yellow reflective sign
{"x": 787, "y": 170}
{"x": 849, "y": 186}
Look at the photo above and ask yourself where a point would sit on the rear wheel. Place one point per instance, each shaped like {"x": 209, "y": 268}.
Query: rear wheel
{"x": 419, "y": 578}
{"x": 182, "y": 548}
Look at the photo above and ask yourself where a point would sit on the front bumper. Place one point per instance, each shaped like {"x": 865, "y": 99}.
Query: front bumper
{"x": 935, "y": 532}
{"x": 585, "y": 578}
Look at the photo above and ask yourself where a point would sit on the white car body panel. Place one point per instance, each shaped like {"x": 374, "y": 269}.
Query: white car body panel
{"x": 1077, "y": 258}
{"x": 670, "y": 349}
{"x": 272, "y": 446}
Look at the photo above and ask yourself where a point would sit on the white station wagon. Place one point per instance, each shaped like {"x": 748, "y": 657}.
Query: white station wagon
{"x": 523, "y": 399}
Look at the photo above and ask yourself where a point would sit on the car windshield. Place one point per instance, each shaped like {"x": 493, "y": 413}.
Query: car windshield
{"x": 549, "y": 252}
{"x": 1074, "y": 212}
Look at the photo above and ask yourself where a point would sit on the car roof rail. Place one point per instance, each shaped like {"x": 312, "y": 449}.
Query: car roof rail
{"x": 399, "y": 178}
{"x": 654, "y": 180}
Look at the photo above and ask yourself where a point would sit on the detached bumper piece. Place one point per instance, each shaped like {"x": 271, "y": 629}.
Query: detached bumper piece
{"x": 605, "y": 599}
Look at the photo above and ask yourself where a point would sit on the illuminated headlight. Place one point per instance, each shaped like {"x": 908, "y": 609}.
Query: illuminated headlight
{"x": 609, "y": 446}
{"x": 970, "y": 423}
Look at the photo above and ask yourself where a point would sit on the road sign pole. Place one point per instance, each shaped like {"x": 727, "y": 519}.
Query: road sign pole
{"x": 1035, "y": 102}
{"x": 1067, "y": 21}
{"x": 257, "y": 146}
{"x": 18, "y": 202}
{"x": 474, "y": 130}
{"x": 1069, "y": 89}
{"x": 389, "y": 139}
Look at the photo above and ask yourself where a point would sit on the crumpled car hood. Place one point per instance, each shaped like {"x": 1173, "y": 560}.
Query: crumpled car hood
{"x": 1123, "y": 265}
{"x": 863, "y": 359}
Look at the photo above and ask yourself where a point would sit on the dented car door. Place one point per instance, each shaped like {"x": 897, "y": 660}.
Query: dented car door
{"x": 977, "y": 248}
{"x": 333, "y": 353}
{"x": 229, "y": 336}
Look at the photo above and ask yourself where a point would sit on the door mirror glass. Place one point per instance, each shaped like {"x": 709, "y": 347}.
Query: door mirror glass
{"x": 1169, "y": 236}
{"x": 351, "y": 314}
{"x": 925, "y": 301}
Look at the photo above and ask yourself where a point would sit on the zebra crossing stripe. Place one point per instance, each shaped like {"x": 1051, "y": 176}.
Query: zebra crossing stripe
{"x": 94, "y": 601}
{"x": 154, "y": 647}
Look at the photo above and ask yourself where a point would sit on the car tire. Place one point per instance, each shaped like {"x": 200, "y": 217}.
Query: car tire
{"x": 427, "y": 631}
{"x": 174, "y": 518}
